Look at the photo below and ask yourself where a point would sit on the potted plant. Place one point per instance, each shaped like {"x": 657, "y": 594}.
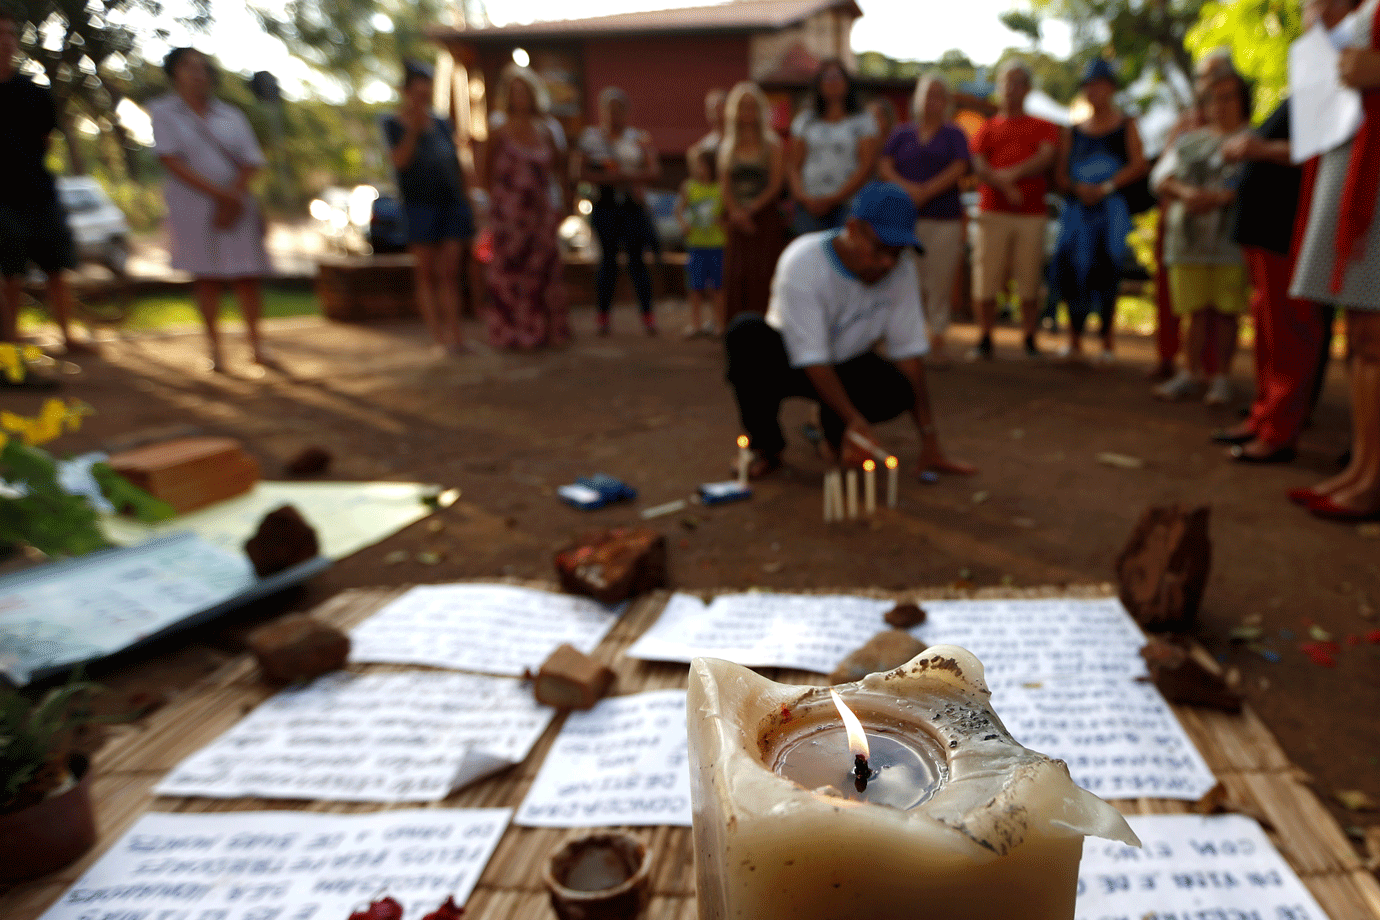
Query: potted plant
{"x": 45, "y": 804}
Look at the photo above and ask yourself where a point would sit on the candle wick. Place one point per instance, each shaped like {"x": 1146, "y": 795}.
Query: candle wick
{"x": 861, "y": 772}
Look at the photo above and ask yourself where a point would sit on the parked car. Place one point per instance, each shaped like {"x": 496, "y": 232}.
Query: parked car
{"x": 342, "y": 217}
{"x": 99, "y": 227}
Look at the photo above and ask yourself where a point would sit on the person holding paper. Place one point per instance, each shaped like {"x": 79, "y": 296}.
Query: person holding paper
{"x": 1340, "y": 263}
{"x": 834, "y": 296}
{"x": 1206, "y": 275}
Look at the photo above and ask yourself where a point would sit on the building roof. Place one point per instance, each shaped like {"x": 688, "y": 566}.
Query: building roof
{"x": 735, "y": 16}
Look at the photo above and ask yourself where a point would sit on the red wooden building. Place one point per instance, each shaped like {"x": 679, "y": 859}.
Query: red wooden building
{"x": 666, "y": 61}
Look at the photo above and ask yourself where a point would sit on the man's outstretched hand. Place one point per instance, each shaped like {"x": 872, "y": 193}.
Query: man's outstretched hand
{"x": 936, "y": 461}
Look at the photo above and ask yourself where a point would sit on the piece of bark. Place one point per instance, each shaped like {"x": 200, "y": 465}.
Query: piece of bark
{"x": 889, "y": 649}
{"x": 905, "y": 616}
{"x": 570, "y": 679}
{"x": 1183, "y": 677}
{"x": 1164, "y": 567}
{"x": 310, "y": 461}
{"x": 283, "y": 539}
{"x": 297, "y": 647}
{"x": 613, "y": 565}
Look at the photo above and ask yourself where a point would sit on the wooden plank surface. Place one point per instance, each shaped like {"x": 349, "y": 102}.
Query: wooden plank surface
{"x": 1240, "y": 749}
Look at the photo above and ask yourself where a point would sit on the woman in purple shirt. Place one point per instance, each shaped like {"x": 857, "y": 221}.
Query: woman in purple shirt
{"x": 927, "y": 158}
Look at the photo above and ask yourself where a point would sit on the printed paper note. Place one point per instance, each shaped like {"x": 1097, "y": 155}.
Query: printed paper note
{"x": 494, "y": 629}
{"x": 409, "y": 737}
{"x": 1119, "y": 738}
{"x": 622, "y": 762}
{"x": 87, "y": 608}
{"x": 285, "y": 865}
{"x": 1190, "y": 866}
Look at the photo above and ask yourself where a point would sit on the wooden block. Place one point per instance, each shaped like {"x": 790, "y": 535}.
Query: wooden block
{"x": 189, "y": 473}
{"x": 570, "y": 679}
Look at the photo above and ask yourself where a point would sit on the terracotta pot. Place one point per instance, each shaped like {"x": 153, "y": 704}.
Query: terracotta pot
{"x": 602, "y": 876}
{"x": 52, "y": 833}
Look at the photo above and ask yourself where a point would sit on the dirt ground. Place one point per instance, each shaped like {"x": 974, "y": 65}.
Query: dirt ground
{"x": 507, "y": 429}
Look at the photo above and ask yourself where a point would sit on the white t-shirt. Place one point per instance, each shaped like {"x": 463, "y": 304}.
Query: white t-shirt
{"x": 831, "y": 149}
{"x": 827, "y": 316}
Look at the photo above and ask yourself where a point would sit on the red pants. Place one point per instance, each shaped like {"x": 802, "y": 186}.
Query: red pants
{"x": 1167, "y": 339}
{"x": 1288, "y": 333}
{"x": 1166, "y": 323}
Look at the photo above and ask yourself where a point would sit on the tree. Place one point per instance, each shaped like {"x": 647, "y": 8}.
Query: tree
{"x": 1259, "y": 33}
{"x": 1024, "y": 22}
{"x": 1146, "y": 36}
{"x": 81, "y": 47}
{"x": 360, "y": 42}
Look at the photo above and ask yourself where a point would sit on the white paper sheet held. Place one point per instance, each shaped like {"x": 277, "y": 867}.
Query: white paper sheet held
{"x": 622, "y": 762}
{"x": 409, "y": 737}
{"x": 285, "y": 865}
{"x": 1191, "y": 866}
{"x": 1322, "y": 112}
{"x": 494, "y": 629}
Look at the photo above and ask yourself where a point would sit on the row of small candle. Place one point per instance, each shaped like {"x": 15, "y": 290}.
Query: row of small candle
{"x": 841, "y": 488}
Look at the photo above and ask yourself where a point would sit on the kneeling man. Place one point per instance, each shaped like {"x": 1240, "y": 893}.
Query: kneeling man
{"x": 835, "y": 295}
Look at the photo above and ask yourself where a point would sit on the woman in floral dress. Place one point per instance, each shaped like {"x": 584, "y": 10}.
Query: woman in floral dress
{"x": 527, "y": 307}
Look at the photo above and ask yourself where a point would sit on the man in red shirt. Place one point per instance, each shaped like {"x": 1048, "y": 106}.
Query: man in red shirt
{"x": 1012, "y": 154}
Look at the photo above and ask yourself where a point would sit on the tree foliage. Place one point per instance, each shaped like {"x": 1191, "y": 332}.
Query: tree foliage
{"x": 1259, "y": 33}
{"x": 359, "y": 42}
{"x": 81, "y": 47}
{"x": 1145, "y": 36}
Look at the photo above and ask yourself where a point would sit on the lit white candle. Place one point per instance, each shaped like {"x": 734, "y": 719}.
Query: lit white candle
{"x": 947, "y": 815}
{"x": 892, "y": 475}
{"x": 850, "y": 479}
{"x": 869, "y": 487}
{"x": 744, "y": 459}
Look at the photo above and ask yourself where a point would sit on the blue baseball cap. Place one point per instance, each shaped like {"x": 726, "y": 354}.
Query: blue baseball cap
{"x": 888, "y": 210}
{"x": 1099, "y": 69}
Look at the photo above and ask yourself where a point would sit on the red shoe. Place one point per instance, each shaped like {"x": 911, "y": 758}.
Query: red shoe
{"x": 1305, "y": 498}
{"x": 1329, "y": 510}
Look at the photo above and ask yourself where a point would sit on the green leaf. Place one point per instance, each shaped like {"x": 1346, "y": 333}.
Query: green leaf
{"x": 129, "y": 498}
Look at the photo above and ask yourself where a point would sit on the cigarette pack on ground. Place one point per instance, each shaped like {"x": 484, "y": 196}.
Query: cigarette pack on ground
{"x": 596, "y": 491}
{"x": 716, "y": 493}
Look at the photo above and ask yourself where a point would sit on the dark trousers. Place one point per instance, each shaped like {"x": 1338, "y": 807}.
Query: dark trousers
{"x": 621, "y": 226}
{"x": 762, "y": 377}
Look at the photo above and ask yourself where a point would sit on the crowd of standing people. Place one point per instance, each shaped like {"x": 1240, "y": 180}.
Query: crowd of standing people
{"x": 1241, "y": 229}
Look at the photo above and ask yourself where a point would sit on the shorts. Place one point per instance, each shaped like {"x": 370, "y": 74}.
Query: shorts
{"x": 1008, "y": 247}
{"x": 40, "y": 236}
{"x": 704, "y": 269}
{"x": 435, "y": 223}
{"x": 1197, "y": 287}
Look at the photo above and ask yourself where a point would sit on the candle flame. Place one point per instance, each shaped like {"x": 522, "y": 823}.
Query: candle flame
{"x": 869, "y": 465}
{"x": 857, "y": 738}
{"x": 742, "y": 442}
{"x": 892, "y": 463}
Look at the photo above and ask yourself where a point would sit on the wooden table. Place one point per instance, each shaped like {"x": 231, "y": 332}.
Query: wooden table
{"x": 1239, "y": 748}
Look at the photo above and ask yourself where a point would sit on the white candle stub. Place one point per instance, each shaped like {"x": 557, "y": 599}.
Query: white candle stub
{"x": 943, "y": 808}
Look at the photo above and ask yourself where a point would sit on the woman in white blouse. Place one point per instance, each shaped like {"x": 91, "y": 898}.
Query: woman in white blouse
{"x": 215, "y": 228}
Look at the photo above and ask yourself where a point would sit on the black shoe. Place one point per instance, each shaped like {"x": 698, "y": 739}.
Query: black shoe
{"x": 1284, "y": 454}
{"x": 1223, "y": 436}
{"x": 1031, "y": 350}
{"x": 982, "y": 351}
